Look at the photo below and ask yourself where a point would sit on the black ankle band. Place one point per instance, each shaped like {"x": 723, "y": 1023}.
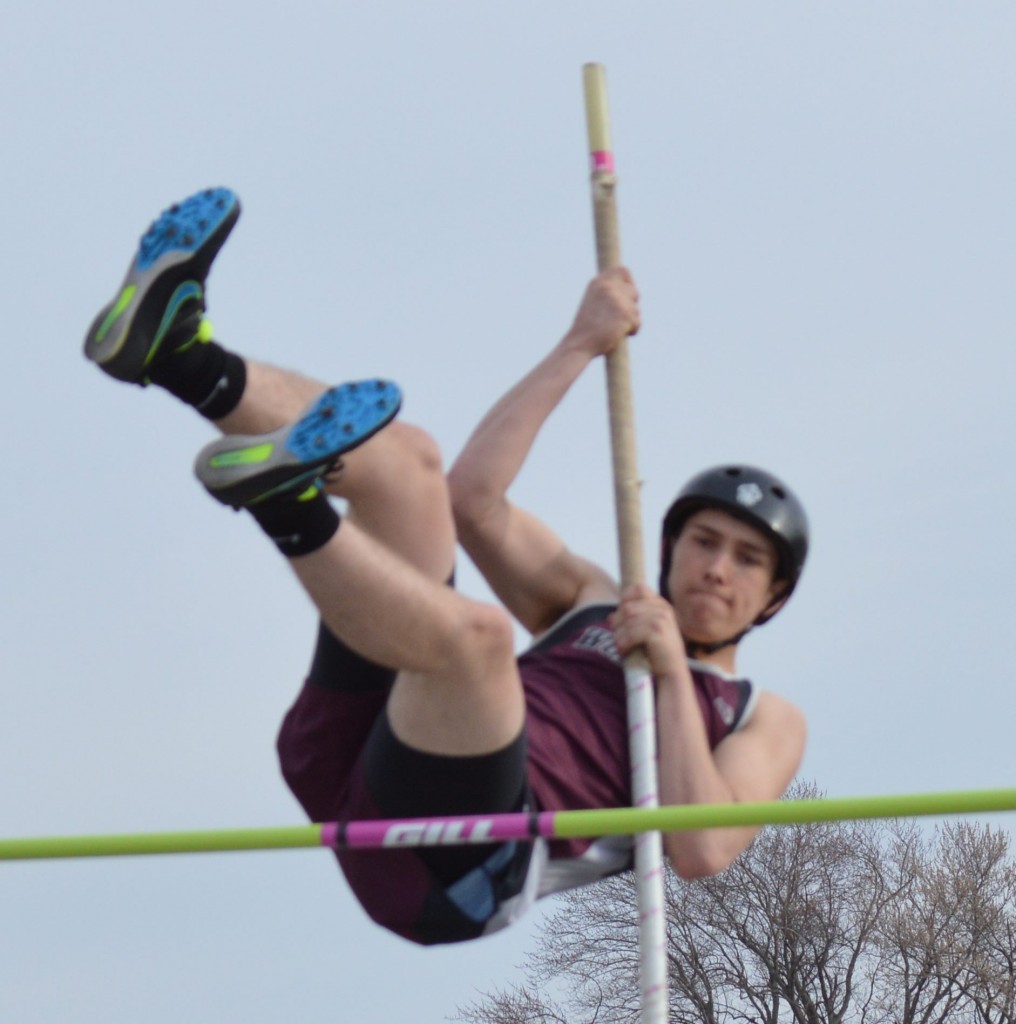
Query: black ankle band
{"x": 227, "y": 390}
{"x": 205, "y": 376}
{"x": 297, "y": 527}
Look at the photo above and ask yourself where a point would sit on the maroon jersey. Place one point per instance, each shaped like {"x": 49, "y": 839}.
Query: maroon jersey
{"x": 578, "y": 733}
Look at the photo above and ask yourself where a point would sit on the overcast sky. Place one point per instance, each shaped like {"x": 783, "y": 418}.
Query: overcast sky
{"x": 817, "y": 202}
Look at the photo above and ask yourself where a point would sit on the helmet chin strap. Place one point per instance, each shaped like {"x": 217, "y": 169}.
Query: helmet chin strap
{"x": 693, "y": 648}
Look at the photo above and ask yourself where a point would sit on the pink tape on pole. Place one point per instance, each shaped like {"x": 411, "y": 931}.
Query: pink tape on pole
{"x": 602, "y": 160}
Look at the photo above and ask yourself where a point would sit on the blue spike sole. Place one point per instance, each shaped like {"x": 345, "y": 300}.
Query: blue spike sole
{"x": 246, "y": 470}
{"x": 343, "y": 418}
{"x": 186, "y": 226}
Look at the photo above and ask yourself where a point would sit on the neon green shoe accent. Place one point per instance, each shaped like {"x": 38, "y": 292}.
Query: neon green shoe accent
{"x": 243, "y": 456}
{"x": 310, "y": 494}
{"x": 113, "y": 315}
{"x": 187, "y": 290}
{"x": 205, "y": 333}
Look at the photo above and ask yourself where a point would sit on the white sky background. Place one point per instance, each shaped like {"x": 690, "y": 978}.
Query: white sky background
{"x": 817, "y": 201}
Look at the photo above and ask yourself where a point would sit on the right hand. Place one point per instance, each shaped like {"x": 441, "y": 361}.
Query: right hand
{"x": 609, "y": 312}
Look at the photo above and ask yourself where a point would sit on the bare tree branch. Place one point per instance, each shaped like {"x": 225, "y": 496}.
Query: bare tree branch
{"x": 870, "y": 922}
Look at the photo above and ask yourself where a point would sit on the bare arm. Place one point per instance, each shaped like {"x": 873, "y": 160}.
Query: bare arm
{"x": 525, "y": 562}
{"x": 755, "y": 763}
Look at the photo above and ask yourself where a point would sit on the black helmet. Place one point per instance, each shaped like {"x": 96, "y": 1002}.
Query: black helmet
{"x": 753, "y": 496}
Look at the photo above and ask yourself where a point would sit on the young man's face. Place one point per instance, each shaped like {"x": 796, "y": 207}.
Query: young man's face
{"x": 721, "y": 576}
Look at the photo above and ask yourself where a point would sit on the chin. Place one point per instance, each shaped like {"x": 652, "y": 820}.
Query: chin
{"x": 703, "y": 643}
{"x": 703, "y": 636}
{"x": 702, "y": 624}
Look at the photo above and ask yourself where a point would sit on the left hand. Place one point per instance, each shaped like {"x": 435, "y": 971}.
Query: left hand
{"x": 645, "y": 619}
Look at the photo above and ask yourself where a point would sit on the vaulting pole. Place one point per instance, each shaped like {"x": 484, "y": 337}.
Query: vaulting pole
{"x": 641, "y": 702}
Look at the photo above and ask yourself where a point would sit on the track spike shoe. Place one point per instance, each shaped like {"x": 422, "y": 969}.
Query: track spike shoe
{"x": 159, "y": 307}
{"x": 245, "y": 470}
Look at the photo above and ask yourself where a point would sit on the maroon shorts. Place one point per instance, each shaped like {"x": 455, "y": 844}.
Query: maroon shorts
{"x": 343, "y": 763}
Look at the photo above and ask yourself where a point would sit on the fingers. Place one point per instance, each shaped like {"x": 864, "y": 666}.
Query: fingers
{"x": 644, "y": 619}
{"x": 630, "y": 604}
{"x": 619, "y": 286}
{"x": 609, "y": 311}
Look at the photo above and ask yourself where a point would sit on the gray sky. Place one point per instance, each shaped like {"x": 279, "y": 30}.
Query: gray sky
{"x": 817, "y": 202}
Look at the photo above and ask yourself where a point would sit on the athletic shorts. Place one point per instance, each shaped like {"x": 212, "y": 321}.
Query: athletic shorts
{"x": 342, "y": 761}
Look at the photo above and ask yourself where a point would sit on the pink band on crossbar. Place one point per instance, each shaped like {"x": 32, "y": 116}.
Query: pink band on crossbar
{"x": 493, "y": 828}
{"x": 602, "y": 160}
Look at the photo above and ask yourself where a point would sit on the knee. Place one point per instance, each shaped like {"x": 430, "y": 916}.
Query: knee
{"x": 484, "y": 639}
{"x": 418, "y": 448}
{"x": 400, "y": 458}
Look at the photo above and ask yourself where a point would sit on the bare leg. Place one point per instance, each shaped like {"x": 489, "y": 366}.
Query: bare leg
{"x": 379, "y": 583}
{"x": 459, "y": 690}
{"x": 379, "y": 580}
{"x": 272, "y": 397}
{"x": 394, "y": 483}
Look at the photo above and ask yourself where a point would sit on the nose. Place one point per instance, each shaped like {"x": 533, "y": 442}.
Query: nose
{"x": 718, "y": 566}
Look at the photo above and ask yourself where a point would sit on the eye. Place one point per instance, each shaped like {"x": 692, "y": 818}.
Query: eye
{"x": 751, "y": 558}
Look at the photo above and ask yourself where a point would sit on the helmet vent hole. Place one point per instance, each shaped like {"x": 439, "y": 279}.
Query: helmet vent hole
{"x": 779, "y": 492}
{"x": 733, "y": 471}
